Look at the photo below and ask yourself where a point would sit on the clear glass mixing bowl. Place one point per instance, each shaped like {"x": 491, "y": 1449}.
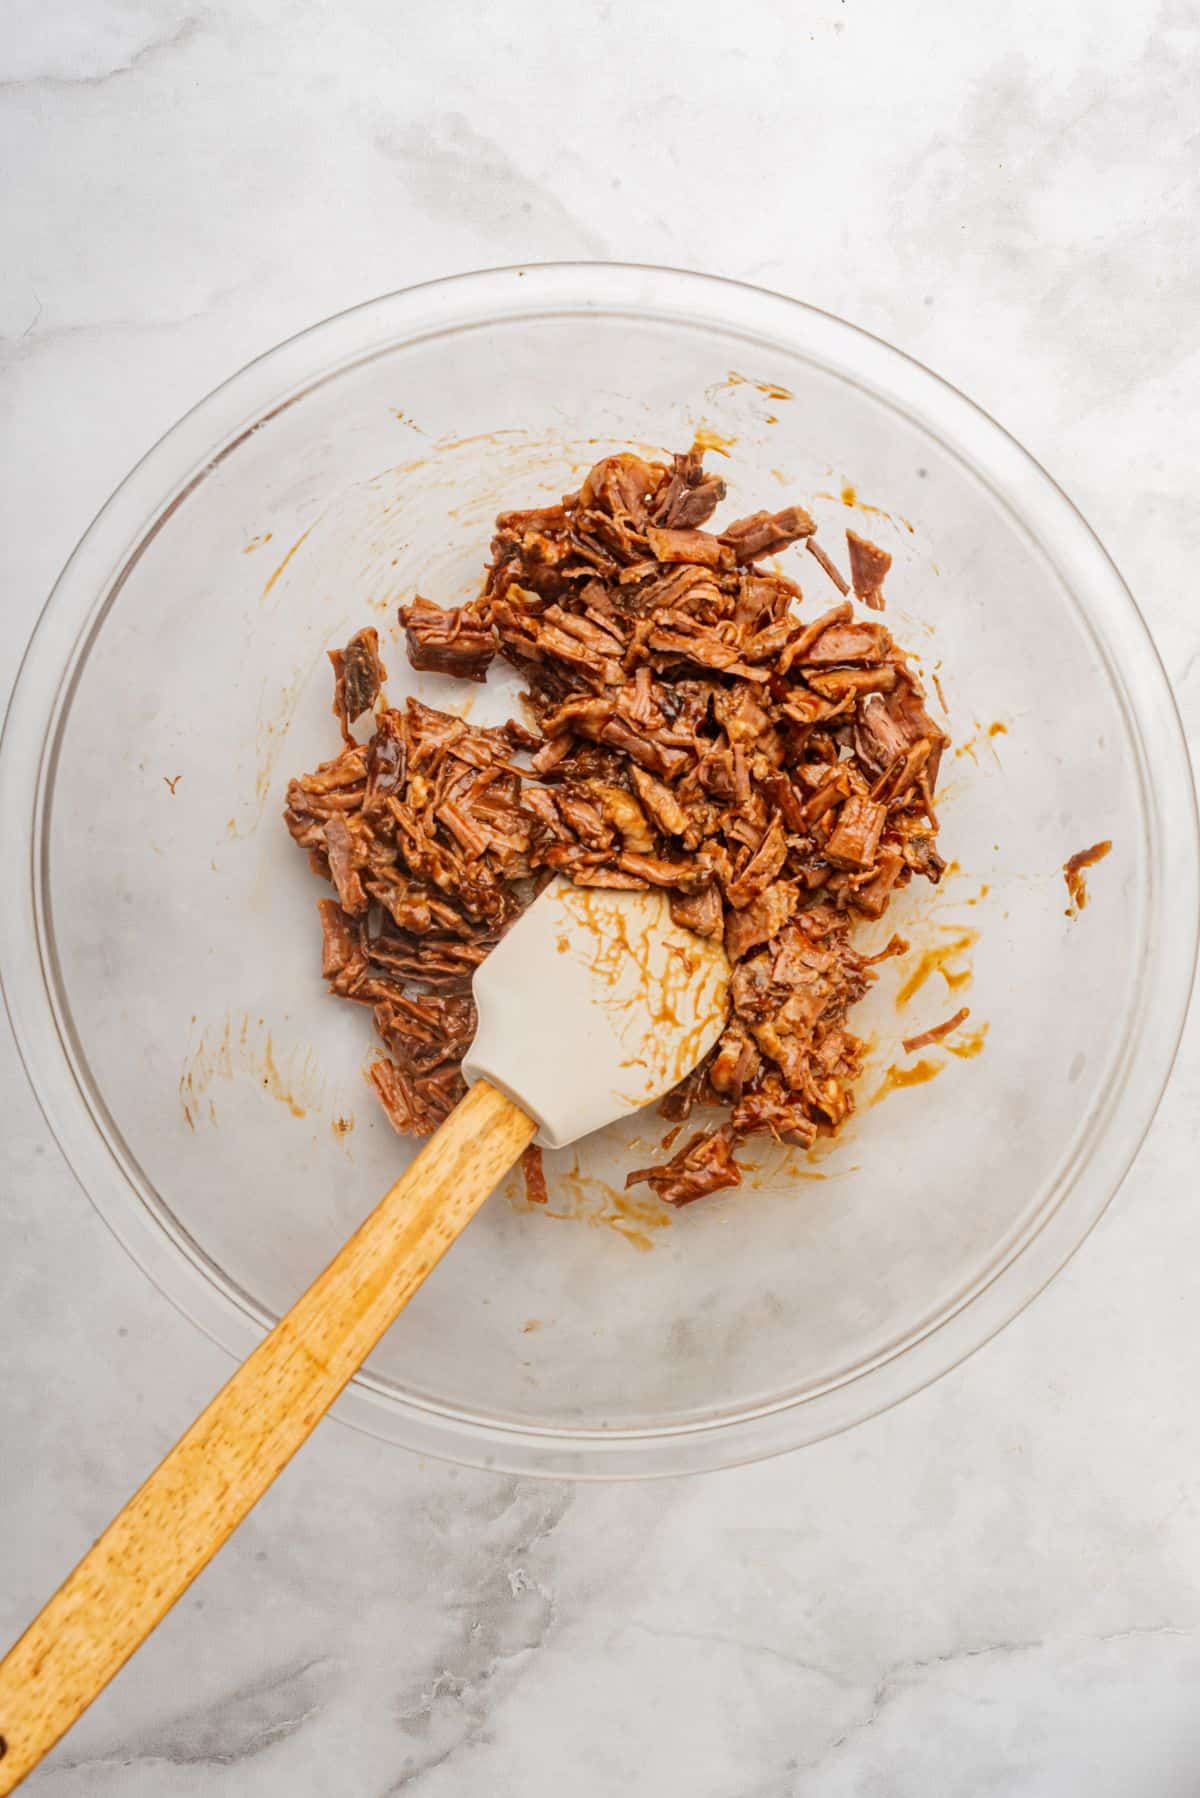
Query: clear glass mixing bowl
{"x": 160, "y": 946}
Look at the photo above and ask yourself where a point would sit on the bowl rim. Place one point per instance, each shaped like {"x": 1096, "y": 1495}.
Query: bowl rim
{"x": 211, "y": 431}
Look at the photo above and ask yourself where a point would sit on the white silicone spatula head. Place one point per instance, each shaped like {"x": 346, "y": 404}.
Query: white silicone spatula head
{"x": 594, "y": 1004}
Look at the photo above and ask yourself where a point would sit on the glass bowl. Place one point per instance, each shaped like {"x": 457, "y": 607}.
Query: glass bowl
{"x": 160, "y": 944}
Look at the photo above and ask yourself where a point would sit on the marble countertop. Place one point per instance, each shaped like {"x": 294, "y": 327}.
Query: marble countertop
{"x": 995, "y": 1587}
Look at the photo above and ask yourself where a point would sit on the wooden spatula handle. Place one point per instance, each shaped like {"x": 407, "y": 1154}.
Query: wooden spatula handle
{"x": 152, "y": 1551}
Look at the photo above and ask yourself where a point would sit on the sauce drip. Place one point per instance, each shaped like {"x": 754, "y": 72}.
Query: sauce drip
{"x": 937, "y": 961}
{"x": 897, "y": 1078}
{"x": 1073, "y": 869}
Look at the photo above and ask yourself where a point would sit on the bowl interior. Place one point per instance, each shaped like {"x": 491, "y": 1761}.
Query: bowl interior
{"x": 182, "y": 932}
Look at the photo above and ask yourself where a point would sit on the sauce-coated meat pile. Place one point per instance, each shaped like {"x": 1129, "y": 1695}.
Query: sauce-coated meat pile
{"x": 696, "y": 732}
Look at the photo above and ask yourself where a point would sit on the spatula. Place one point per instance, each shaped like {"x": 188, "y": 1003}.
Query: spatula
{"x": 594, "y": 1004}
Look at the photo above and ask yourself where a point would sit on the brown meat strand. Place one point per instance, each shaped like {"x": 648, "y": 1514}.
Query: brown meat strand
{"x": 911, "y": 1044}
{"x": 773, "y": 774}
{"x": 704, "y": 1164}
{"x": 534, "y": 1170}
{"x": 831, "y": 568}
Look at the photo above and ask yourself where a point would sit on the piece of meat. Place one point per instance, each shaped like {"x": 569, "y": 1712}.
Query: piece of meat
{"x": 911, "y": 1044}
{"x": 659, "y": 802}
{"x": 751, "y": 989}
{"x": 799, "y": 645}
{"x": 872, "y": 897}
{"x": 841, "y": 683}
{"x": 735, "y": 1063}
{"x": 447, "y": 640}
{"x": 533, "y": 1168}
{"x": 621, "y": 486}
{"x": 688, "y": 496}
{"x": 684, "y": 875}
{"x": 622, "y": 813}
{"x": 684, "y": 546}
{"x": 701, "y": 912}
{"x": 344, "y": 773}
{"x": 841, "y": 643}
{"x": 339, "y": 940}
{"x": 868, "y": 566}
{"x": 762, "y": 867}
{"x": 681, "y": 1101}
{"x": 358, "y": 675}
{"x": 741, "y": 714}
{"x": 393, "y": 1096}
{"x": 344, "y": 852}
{"x": 832, "y": 570}
{"x": 776, "y": 1112}
{"x": 766, "y": 533}
{"x": 904, "y": 773}
{"x": 885, "y": 729}
{"x": 921, "y": 857}
{"x": 705, "y": 1164}
{"x": 586, "y": 819}
{"x": 762, "y": 919}
{"x": 855, "y": 838}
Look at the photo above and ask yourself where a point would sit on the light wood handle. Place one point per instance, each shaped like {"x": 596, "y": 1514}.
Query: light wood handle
{"x": 152, "y": 1551}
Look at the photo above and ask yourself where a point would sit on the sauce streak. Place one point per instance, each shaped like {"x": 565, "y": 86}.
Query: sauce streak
{"x": 897, "y": 1078}
{"x": 935, "y": 961}
{"x": 708, "y": 439}
{"x": 238, "y": 1047}
{"x": 291, "y": 552}
{"x": 1073, "y": 869}
{"x": 576, "y": 1197}
{"x": 771, "y": 389}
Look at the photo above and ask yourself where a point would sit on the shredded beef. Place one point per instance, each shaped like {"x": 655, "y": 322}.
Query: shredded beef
{"x": 775, "y": 776}
{"x": 913, "y": 1043}
{"x": 358, "y": 675}
{"x": 868, "y": 566}
{"x": 703, "y": 1165}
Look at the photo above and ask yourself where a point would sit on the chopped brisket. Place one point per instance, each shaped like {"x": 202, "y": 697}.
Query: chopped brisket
{"x": 340, "y": 942}
{"x": 358, "y": 674}
{"x": 701, "y": 912}
{"x": 766, "y": 533}
{"x": 775, "y": 1110}
{"x": 444, "y": 642}
{"x": 868, "y": 566}
{"x": 703, "y": 1165}
{"x": 761, "y": 920}
{"x": 912, "y": 1043}
{"x": 693, "y": 732}
{"x": 854, "y": 843}
{"x": 688, "y": 496}
{"x": 684, "y": 546}
{"x": 534, "y": 1171}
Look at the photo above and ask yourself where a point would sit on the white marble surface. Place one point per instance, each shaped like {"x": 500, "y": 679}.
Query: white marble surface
{"x": 996, "y": 1588}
